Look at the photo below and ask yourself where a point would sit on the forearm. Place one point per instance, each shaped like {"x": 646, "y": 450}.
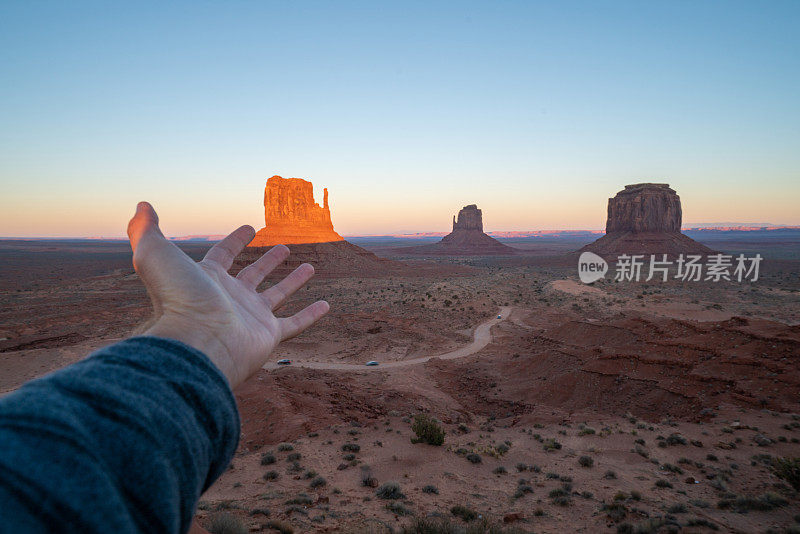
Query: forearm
{"x": 124, "y": 441}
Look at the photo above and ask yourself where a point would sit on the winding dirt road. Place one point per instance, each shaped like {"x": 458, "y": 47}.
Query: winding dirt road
{"x": 480, "y": 338}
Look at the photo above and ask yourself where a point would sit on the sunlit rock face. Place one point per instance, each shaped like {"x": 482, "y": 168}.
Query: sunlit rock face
{"x": 292, "y": 217}
{"x": 645, "y": 219}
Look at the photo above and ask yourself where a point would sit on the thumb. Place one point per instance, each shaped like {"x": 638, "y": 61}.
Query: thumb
{"x": 143, "y": 223}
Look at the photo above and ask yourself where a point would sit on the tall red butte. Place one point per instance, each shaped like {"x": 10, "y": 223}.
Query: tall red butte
{"x": 292, "y": 217}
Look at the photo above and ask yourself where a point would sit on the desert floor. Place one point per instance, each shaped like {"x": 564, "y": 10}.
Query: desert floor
{"x": 658, "y": 406}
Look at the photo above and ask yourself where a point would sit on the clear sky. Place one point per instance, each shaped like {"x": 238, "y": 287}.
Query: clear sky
{"x": 536, "y": 111}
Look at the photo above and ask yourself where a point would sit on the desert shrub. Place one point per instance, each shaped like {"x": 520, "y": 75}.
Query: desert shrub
{"x": 661, "y": 483}
{"x": 351, "y": 447}
{"x": 473, "y": 458}
{"x": 267, "y": 458}
{"x": 428, "y": 430}
{"x": 676, "y": 439}
{"x": 398, "y": 509}
{"x": 260, "y": 511}
{"x": 309, "y": 474}
{"x": 225, "y": 523}
{"x": 672, "y": 468}
{"x": 610, "y": 475}
{"x": 586, "y": 461}
{"x": 281, "y": 526}
{"x": 441, "y": 525}
{"x": 551, "y": 445}
{"x": 318, "y": 482}
{"x": 293, "y": 457}
{"x": 430, "y": 489}
{"x": 586, "y": 431}
{"x": 521, "y": 467}
{"x": 389, "y": 490}
{"x": 500, "y": 470}
{"x": 283, "y": 447}
{"x": 711, "y": 458}
{"x": 701, "y": 522}
{"x": 677, "y": 508}
{"x": 301, "y": 500}
{"x": 787, "y": 469}
{"x": 616, "y": 511}
{"x": 744, "y": 503}
{"x": 367, "y": 480}
{"x": 271, "y": 475}
{"x": 464, "y": 513}
{"x": 636, "y": 495}
{"x": 349, "y": 457}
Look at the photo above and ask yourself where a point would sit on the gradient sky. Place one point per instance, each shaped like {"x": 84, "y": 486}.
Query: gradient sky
{"x": 538, "y": 112}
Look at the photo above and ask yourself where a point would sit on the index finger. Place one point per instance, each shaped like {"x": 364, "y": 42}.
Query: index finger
{"x": 226, "y": 250}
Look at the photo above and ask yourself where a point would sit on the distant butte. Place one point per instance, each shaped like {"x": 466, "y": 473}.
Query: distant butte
{"x": 292, "y": 217}
{"x": 466, "y": 239}
{"x": 645, "y": 219}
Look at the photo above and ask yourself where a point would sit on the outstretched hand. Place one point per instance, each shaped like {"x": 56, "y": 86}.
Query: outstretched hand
{"x": 200, "y": 304}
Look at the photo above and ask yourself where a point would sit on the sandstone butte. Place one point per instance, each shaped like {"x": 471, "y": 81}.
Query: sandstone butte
{"x": 645, "y": 219}
{"x": 466, "y": 239}
{"x": 291, "y": 216}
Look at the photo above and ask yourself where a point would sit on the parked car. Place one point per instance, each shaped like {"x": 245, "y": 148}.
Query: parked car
{"x": 499, "y": 316}
{"x": 284, "y": 362}
{"x": 371, "y": 363}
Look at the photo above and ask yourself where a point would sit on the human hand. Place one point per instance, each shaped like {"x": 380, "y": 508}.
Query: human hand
{"x": 200, "y": 304}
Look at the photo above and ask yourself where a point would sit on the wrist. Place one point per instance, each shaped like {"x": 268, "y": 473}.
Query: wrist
{"x": 197, "y": 338}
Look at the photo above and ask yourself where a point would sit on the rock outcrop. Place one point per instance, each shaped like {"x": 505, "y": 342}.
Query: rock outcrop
{"x": 645, "y": 219}
{"x": 466, "y": 239}
{"x": 644, "y": 208}
{"x": 292, "y": 217}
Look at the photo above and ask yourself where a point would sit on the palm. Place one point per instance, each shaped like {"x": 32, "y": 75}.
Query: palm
{"x": 225, "y": 311}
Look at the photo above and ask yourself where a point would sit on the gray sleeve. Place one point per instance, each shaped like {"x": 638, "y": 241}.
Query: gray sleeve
{"x": 123, "y": 441}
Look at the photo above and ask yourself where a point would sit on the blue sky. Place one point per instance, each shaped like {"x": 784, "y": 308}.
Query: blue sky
{"x": 537, "y": 112}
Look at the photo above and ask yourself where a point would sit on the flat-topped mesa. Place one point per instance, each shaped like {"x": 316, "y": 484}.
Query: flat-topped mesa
{"x": 644, "y": 208}
{"x": 292, "y": 217}
{"x": 469, "y": 218}
{"x": 645, "y": 219}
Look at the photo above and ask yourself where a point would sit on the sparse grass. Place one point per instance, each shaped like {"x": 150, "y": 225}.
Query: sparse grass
{"x": 267, "y": 458}
{"x": 616, "y": 511}
{"x": 389, "y": 490}
{"x": 428, "y": 430}
{"x": 293, "y": 457}
{"x": 661, "y": 483}
{"x": 283, "y": 447}
{"x": 318, "y": 482}
{"x": 225, "y": 523}
{"x": 500, "y": 470}
{"x": 464, "y": 513}
{"x": 586, "y": 461}
{"x": 351, "y": 447}
{"x": 430, "y": 489}
{"x": 610, "y": 475}
{"x": 301, "y": 500}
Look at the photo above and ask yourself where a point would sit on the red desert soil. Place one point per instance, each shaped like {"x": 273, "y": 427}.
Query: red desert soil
{"x": 679, "y": 395}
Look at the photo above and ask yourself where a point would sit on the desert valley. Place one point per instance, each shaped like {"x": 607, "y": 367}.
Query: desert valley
{"x": 620, "y": 406}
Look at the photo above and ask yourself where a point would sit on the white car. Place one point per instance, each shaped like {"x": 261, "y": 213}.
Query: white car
{"x": 371, "y": 363}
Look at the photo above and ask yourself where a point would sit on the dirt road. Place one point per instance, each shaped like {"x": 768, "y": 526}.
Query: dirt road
{"x": 480, "y": 338}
